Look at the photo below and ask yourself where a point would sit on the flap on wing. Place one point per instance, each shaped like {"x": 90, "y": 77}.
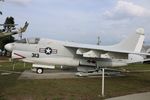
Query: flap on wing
{"x": 92, "y": 54}
{"x": 88, "y": 53}
{"x": 80, "y": 51}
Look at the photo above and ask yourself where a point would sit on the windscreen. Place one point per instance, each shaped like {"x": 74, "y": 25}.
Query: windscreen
{"x": 21, "y": 41}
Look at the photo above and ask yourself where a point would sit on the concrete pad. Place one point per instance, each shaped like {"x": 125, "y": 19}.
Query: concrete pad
{"x": 57, "y": 74}
{"x": 28, "y": 74}
{"x": 139, "y": 96}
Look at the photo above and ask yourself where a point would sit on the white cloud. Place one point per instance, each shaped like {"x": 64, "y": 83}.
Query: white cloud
{"x": 125, "y": 9}
{"x": 20, "y": 2}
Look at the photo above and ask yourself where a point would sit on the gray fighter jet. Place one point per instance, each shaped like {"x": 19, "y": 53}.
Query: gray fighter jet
{"x": 48, "y": 53}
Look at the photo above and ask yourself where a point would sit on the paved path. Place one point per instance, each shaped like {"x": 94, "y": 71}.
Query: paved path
{"x": 28, "y": 74}
{"x": 139, "y": 96}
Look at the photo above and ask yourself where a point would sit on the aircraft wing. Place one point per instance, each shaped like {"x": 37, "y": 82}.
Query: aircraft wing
{"x": 131, "y": 45}
{"x": 86, "y": 49}
{"x": 3, "y": 34}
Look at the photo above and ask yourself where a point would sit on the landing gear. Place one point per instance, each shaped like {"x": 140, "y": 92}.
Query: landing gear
{"x": 98, "y": 69}
{"x": 39, "y": 70}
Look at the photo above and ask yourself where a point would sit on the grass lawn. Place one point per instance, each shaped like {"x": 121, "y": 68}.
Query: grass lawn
{"x": 71, "y": 89}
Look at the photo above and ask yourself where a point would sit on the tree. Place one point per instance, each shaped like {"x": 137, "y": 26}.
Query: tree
{"x": 0, "y": 11}
{"x": 9, "y": 23}
{"x": 4, "y": 41}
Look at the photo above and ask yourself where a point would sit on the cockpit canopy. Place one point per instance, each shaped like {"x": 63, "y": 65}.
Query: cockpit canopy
{"x": 29, "y": 40}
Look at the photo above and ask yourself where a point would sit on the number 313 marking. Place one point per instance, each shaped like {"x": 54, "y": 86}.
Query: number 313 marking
{"x": 35, "y": 55}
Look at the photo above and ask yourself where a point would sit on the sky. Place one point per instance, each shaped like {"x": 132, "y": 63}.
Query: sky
{"x": 80, "y": 20}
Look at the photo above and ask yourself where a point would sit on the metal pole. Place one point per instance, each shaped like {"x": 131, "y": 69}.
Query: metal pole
{"x": 103, "y": 79}
{"x": 14, "y": 66}
{"x": 24, "y": 64}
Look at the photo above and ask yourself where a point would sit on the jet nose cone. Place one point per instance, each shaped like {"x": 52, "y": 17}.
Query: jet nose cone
{"x": 9, "y": 46}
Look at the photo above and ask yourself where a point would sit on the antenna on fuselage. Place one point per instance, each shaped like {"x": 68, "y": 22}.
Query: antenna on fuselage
{"x": 98, "y": 40}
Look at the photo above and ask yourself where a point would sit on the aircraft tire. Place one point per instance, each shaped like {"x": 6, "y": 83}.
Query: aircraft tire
{"x": 39, "y": 70}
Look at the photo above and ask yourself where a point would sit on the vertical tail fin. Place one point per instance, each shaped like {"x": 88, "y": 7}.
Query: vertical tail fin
{"x": 133, "y": 43}
{"x": 24, "y": 28}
